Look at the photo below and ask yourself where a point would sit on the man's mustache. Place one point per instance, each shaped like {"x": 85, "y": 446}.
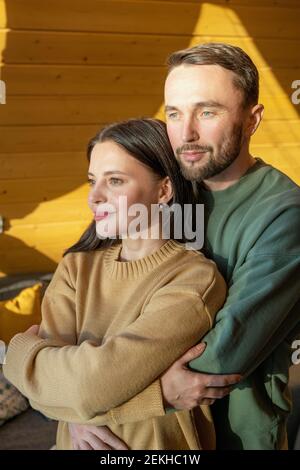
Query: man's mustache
{"x": 189, "y": 147}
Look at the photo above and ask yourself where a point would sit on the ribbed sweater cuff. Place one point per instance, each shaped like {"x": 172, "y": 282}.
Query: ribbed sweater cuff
{"x": 147, "y": 404}
{"x": 19, "y": 349}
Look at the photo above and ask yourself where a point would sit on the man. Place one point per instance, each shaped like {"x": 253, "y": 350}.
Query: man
{"x": 253, "y": 234}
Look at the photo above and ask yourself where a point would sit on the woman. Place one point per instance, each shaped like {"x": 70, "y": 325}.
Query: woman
{"x": 120, "y": 309}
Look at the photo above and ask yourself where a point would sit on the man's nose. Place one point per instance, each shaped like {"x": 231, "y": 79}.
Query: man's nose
{"x": 190, "y": 133}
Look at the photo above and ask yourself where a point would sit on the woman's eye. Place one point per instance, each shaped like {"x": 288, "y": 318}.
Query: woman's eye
{"x": 115, "y": 181}
{"x": 172, "y": 116}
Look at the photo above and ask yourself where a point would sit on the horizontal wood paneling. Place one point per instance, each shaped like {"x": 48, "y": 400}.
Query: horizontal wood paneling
{"x": 39, "y": 80}
{"x": 30, "y": 110}
{"x": 257, "y": 3}
{"x": 37, "y": 165}
{"x": 35, "y": 190}
{"x": 150, "y": 17}
{"x": 31, "y": 139}
{"x": 60, "y": 210}
{"x": 41, "y": 47}
{"x": 71, "y": 66}
{"x": 70, "y": 80}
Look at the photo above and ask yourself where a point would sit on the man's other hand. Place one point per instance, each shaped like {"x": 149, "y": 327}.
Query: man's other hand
{"x": 183, "y": 389}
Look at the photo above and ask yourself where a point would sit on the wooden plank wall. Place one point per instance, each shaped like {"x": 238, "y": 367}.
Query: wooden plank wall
{"x": 70, "y": 66}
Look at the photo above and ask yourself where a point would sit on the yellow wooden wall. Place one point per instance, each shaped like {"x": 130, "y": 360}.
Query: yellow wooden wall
{"x": 71, "y": 65}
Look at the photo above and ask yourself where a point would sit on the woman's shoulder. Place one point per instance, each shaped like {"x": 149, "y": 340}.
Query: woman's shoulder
{"x": 201, "y": 275}
{"x": 194, "y": 267}
{"x": 74, "y": 262}
{"x": 192, "y": 258}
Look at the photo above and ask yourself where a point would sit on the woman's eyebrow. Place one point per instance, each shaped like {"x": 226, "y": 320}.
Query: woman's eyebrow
{"x": 114, "y": 171}
{"x": 111, "y": 172}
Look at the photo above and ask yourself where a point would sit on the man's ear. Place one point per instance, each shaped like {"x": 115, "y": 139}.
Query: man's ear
{"x": 165, "y": 191}
{"x": 255, "y": 116}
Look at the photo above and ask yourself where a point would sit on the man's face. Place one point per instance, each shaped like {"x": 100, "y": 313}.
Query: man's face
{"x": 205, "y": 119}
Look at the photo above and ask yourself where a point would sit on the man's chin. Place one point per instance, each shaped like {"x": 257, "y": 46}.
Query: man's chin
{"x": 191, "y": 174}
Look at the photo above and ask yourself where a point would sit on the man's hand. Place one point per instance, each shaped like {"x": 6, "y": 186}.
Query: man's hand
{"x": 86, "y": 437}
{"x": 183, "y": 389}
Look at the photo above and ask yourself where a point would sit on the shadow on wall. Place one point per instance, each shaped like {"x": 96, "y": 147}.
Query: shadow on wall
{"x": 70, "y": 68}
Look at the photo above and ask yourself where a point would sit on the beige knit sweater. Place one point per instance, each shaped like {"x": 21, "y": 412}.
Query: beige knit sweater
{"x": 109, "y": 330}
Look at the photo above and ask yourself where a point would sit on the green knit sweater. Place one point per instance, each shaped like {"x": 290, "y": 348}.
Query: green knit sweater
{"x": 253, "y": 234}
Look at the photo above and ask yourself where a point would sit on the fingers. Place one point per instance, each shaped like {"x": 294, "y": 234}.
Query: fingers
{"x": 206, "y": 401}
{"x": 215, "y": 393}
{"x": 221, "y": 380}
{"x": 85, "y": 446}
{"x": 105, "y": 435}
{"x": 87, "y": 437}
{"x": 192, "y": 353}
{"x": 97, "y": 444}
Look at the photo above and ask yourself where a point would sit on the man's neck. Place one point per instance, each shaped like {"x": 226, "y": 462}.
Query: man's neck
{"x": 232, "y": 174}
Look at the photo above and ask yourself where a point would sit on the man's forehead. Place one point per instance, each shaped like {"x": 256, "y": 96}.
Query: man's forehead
{"x": 192, "y": 71}
{"x": 194, "y": 84}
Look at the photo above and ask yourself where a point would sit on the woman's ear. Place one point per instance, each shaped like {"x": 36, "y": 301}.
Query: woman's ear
{"x": 165, "y": 191}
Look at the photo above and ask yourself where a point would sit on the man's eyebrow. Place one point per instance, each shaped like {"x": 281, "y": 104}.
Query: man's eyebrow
{"x": 200, "y": 104}
{"x": 111, "y": 172}
{"x": 209, "y": 104}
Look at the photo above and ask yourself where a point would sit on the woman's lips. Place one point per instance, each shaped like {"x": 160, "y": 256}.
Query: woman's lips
{"x": 101, "y": 215}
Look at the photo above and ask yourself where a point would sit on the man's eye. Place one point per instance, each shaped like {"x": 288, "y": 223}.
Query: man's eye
{"x": 207, "y": 114}
{"x": 115, "y": 181}
{"x": 91, "y": 182}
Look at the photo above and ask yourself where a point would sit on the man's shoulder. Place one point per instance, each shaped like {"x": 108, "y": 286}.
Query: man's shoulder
{"x": 270, "y": 194}
{"x": 276, "y": 183}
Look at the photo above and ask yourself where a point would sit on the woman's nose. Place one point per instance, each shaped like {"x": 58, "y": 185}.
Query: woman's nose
{"x": 97, "y": 194}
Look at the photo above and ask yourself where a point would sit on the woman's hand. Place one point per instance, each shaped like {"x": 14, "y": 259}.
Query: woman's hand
{"x": 87, "y": 437}
{"x": 34, "y": 330}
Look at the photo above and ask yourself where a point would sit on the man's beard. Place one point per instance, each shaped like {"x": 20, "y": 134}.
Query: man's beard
{"x": 230, "y": 150}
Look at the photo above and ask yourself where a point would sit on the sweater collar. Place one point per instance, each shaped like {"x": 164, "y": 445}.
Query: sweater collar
{"x": 138, "y": 268}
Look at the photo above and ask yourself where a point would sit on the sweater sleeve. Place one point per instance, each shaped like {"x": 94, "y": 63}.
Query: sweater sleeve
{"x": 262, "y": 306}
{"x": 146, "y": 404}
{"x": 92, "y": 379}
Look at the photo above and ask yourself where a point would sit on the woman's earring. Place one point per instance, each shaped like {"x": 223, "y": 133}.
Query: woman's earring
{"x": 161, "y": 205}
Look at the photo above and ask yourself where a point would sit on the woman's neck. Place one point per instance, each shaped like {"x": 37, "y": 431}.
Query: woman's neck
{"x": 137, "y": 249}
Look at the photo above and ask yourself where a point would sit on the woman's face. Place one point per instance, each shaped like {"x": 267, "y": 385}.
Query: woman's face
{"x": 117, "y": 181}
